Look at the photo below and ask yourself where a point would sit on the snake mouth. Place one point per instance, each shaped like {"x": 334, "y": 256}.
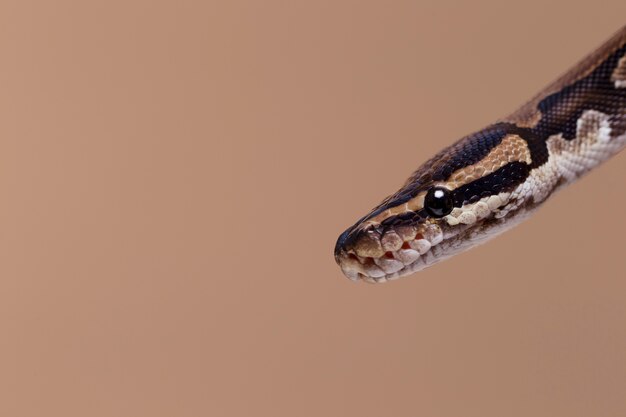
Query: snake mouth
{"x": 379, "y": 254}
{"x": 376, "y": 256}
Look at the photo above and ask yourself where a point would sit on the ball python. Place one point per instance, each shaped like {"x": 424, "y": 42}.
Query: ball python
{"x": 492, "y": 179}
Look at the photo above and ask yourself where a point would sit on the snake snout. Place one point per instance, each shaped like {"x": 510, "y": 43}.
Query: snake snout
{"x": 365, "y": 243}
{"x": 377, "y": 253}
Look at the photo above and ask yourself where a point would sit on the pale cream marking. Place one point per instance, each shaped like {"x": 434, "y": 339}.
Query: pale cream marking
{"x": 619, "y": 74}
{"x": 352, "y": 267}
{"x": 408, "y": 256}
{"x": 389, "y": 265}
{"x": 471, "y": 213}
{"x": 420, "y": 245}
{"x": 568, "y": 159}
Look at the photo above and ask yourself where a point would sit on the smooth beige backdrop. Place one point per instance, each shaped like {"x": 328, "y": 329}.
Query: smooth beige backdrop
{"x": 173, "y": 176}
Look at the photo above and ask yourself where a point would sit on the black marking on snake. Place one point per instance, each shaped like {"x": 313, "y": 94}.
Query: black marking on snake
{"x": 504, "y": 179}
{"x": 560, "y": 111}
{"x": 410, "y": 217}
{"x": 403, "y": 218}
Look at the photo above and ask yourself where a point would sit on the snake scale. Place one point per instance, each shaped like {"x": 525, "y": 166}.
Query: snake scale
{"x": 490, "y": 180}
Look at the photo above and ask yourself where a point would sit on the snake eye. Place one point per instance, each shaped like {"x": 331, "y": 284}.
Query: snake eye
{"x": 438, "y": 201}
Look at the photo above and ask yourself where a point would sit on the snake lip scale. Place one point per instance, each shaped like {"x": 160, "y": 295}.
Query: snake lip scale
{"x": 491, "y": 180}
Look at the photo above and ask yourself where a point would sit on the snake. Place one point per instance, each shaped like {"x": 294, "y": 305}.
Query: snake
{"x": 491, "y": 180}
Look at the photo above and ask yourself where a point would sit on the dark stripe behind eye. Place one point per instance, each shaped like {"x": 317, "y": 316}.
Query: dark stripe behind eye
{"x": 502, "y": 180}
{"x": 467, "y": 151}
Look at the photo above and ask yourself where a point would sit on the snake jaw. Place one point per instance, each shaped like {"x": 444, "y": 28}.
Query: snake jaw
{"x": 379, "y": 254}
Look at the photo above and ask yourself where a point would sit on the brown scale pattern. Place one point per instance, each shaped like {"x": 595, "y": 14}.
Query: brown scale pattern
{"x": 512, "y": 149}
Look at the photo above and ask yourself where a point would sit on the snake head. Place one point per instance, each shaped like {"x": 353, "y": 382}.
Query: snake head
{"x": 466, "y": 194}
{"x": 489, "y": 181}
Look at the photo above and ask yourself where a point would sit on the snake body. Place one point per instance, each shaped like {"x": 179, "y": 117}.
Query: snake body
{"x": 490, "y": 180}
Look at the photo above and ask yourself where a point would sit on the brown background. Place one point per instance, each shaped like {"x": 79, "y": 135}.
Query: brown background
{"x": 173, "y": 177}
